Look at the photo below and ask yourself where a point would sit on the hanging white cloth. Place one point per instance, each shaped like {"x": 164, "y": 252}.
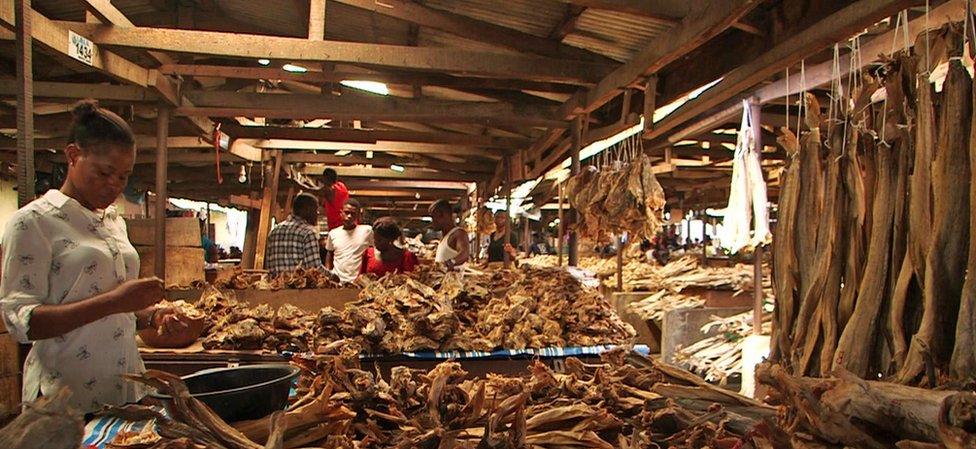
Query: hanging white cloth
{"x": 747, "y": 196}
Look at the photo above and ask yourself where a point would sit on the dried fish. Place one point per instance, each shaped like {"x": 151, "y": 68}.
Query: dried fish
{"x": 300, "y": 278}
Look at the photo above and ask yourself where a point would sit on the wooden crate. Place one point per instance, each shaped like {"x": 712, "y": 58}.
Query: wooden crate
{"x": 9, "y": 356}
{"x": 183, "y": 264}
{"x": 9, "y": 394}
{"x": 182, "y": 231}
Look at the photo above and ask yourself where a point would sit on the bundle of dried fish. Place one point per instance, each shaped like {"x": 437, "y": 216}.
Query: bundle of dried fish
{"x": 47, "y": 423}
{"x": 720, "y": 356}
{"x": 300, "y": 278}
{"x": 614, "y": 201}
{"x": 236, "y": 324}
{"x": 189, "y": 422}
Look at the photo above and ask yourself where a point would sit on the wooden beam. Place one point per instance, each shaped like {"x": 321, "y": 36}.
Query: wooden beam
{"x": 245, "y": 202}
{"x": 162, "y": 196}
{"x": 700, "y": 26}
{"x": 568, "y": 24}
{"x": 819, "y": 74}
{"x": 55, "y": 38}
{"x": 108, "y": 14}
{"x": 353, "y": 107}
{"x": 838, "y": 26}
{"x": 71, "y": 92}
{"x": 316, "y": 20}
{"x": 351, "y": 135}
{"x": 406, "y": 79}
{"x": 358, "y": 184}
{"x": 232, "y": 45}
{"x": 666, "y": 12}
{"x": 386, "y": 161}
{"x": 387, "y": 173}
{"x": 475, "y": 30}
{"x": 268, "y": 198}
{"x": 25, "y": 102}
{"x": 393, "y": 147}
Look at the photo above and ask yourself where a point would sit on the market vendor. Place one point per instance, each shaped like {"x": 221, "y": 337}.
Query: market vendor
{"x": 335, "y": 194}
{"x": 347, "y": 243}
{"x": 385, "y": 256}
{"x": 294, "y": 242}
{"x": 502, "y": 240}
{"x": 454, "y": 248}
{"x": 69, "y": 284}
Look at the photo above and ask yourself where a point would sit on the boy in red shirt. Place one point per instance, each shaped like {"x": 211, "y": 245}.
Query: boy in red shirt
{"x": 336, "y": 195}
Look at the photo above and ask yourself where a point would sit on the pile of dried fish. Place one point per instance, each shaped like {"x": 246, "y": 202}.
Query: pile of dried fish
{"x": 236, "y": 324}
{"x": 512, "y": 309}
{"x": 874, "y": 236}
{"x": 655, "y": 305}
{"x": 720, "y": 356}
{"x": 846, "y": 411}
{"x": 627, "y": 401}
{"x": 617, "y": 200}
{"x": 47, "y": 423}
{"x": 300, "y": 278}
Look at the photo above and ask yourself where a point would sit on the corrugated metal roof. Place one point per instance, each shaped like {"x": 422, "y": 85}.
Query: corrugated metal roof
{"x": 536, "y": 17}
{"x": 617, "y": 35}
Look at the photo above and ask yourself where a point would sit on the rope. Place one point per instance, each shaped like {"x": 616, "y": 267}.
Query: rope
{"x": 788, "y": 99}
{"x": 803, "y": 95}
{"x": 216, "y": 142}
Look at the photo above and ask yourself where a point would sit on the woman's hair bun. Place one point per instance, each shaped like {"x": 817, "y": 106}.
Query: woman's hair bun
{"x": 85, "y": 109}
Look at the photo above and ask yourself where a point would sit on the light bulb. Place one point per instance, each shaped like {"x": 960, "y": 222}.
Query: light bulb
{"x": 242, "y": 178}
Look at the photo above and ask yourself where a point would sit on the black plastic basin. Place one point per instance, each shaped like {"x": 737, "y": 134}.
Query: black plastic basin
{"x": 244, "y": 392}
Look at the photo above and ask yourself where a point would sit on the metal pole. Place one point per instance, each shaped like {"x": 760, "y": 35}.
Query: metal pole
{"x": 576, "y": 137}
{"x": 755, "y": 112}
{"x": 162, "y": 196}
{"x": 559, "y": 228}
{"x": 25, "y": 103}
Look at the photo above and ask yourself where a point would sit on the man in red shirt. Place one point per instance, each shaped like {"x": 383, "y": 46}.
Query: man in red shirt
{"x": 336, "y": 195}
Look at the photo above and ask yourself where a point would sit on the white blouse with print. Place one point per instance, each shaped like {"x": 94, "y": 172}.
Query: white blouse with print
{"x": 56, "y": 251}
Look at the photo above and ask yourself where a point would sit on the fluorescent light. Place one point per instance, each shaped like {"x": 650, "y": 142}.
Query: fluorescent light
{"x": 293, "y": 68}
{"x": 342, "y": 153}
{"x": 263, "y": 61}
{"x": 427, "y": 219}
{"x": 369, "y": 86}
{"x": 397, "y": 168}
{"x": 369, "y": 154}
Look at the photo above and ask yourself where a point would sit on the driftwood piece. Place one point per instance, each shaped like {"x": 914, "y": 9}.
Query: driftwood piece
{"x": 785, "y": 267}
{"x": 872, "y": 412}
{"x": 47, "y": 423}
{"x": 947, "y": 255}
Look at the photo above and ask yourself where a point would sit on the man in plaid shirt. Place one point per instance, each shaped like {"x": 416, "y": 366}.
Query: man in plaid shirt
{"x": 295, "y": 242}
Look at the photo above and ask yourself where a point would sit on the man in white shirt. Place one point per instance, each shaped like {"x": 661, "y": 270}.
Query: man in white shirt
{"x": 347, "y": 243}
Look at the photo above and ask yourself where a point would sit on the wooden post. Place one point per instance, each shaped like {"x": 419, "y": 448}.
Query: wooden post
{"x": 162, "y": 196}
{"x": 755, "y": 112}
{"x": 250, "y": 238}
{"x": 508, "y": 210}
{"x": 477, "y": 219}
{"x": 575, "y": 134}
{"x": 620, "y": 263}
{"x": 650, "y": 102}
{"x": 25, "y": 103}
{"x": 526, "y": 244}
{"x": 316, "y": 20}
{"x": 559, "y": 229}
{"x": 268, "y": 199}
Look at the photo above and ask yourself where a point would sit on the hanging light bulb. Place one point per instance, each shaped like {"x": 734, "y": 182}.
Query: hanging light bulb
{"x": 416, "y": 195}
{"x": 242, "y": 178}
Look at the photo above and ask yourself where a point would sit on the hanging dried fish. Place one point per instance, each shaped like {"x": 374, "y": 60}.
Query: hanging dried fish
{"x": 947, "y": 254}
{"x": 785, "y": 269}
{"x": 963, "y": 361}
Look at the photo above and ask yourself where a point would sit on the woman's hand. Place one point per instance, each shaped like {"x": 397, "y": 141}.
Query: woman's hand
{"x": 510, "y": 249}
{"x": 137, "y": 294}
{"x": 169, "y": 322}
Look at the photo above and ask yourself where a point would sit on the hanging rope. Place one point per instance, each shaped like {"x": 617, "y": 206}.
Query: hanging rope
{"x": 216, "y": 142}
{"x": 803, "y": 96}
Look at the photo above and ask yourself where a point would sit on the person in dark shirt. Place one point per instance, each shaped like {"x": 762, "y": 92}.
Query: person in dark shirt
{"x": 503, "y": 240}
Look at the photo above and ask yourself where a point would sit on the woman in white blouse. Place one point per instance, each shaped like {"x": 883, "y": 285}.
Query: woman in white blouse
{"x": 69, "y": 276}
